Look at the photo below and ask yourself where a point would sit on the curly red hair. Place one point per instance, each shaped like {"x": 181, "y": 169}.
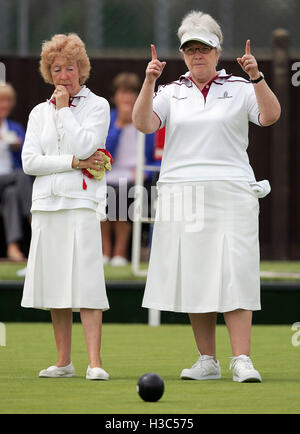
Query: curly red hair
{"x": 69, "y": 46}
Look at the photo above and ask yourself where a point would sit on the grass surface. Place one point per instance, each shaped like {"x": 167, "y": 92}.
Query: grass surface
{"x": 129, "y": 351}
{"x": 8, "y": 271}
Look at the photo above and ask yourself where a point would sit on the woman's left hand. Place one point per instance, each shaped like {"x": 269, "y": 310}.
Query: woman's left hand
{"x": 61, "y": 96}
{"x": 248, "y": 63}
{"x": 94, "y": 162}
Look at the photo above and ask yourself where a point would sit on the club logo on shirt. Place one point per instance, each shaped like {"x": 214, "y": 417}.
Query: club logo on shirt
{"x": 225, "y": 95}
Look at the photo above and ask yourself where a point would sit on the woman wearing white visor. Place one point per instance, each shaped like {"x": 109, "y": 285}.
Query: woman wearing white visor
{"x": 205, "y": 248}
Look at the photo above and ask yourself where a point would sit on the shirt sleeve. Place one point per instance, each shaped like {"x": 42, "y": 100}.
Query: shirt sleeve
{"x": 161, "y": 105}
{"x": 91, "y": 134}
{"x": 16, "y": 154}
{"x": 34, "y": 161}
{"x": 252, "y": 106}
{"x": 113, "y": 135}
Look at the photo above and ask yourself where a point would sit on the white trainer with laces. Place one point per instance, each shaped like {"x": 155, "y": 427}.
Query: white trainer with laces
{"x": 204, "y": 369}
{"x": 243, "y": 370}
{"x": 96, "y": 374}
{"x": 58, "y": 372}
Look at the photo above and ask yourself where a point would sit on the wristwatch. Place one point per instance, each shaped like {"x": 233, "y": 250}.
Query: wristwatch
{"x": 257, "y": 80}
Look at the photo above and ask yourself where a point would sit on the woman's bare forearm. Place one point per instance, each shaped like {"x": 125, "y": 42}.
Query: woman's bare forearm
{"x": 268, "y": 104}
{"x": 269, "y": 107}
{"x": 143, "y": 117}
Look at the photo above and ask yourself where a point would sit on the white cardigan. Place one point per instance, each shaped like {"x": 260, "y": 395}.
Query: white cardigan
{"x": 54, "y": 136}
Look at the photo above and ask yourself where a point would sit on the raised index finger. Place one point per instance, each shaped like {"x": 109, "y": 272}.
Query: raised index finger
{"x": 153, "y": 51}
{"x": 247, "y": 48}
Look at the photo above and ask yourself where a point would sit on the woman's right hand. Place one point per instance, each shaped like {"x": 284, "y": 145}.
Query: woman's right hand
{"x": 155, "y": 67}
{"x": 144, "y": 119}
{"x": 93, "y": 162}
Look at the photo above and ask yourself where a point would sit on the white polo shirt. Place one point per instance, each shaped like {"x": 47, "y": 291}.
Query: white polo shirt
{"x": 206, "y": 138}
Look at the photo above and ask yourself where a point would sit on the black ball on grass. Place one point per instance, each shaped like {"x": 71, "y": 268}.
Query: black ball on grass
{"x": 150, "y": 387}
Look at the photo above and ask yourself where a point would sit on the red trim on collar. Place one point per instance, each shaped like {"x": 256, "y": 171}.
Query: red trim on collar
{"x": 206, "y": 88}
{"x": 184, "y": 77}
{"x": 53, "y": 100}
{"x": 225, "y": 76}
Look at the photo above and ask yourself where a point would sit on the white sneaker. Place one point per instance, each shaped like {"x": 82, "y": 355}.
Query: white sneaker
{"x": 22, "y": 272}
{"x": 243, "y": 370}
{"x": 118, "y": 261}
{"x": 58, "y": 372}
{"x": 105, "y": 259}
{"x": 96, "y": 374}
{"x": 204, "y": 369}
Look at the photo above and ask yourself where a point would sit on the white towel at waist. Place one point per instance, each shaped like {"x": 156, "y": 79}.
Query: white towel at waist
{"x": 261, "y": 188}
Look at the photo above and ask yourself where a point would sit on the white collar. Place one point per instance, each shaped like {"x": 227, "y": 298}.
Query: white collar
{"x": 222, "y": 75}
{"x": 83, "y": 93}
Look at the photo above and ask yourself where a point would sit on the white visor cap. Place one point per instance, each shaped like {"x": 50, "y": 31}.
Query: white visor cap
{"x": 201, "y": 36}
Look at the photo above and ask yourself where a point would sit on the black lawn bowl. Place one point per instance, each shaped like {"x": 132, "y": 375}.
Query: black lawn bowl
{"x": 150, "y": 387}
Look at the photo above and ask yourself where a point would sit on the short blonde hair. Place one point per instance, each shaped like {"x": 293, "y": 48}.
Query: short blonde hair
{"x": 199, "y": 21}
{"x": 7, "y": 90}
{"x": 69, "y": 46}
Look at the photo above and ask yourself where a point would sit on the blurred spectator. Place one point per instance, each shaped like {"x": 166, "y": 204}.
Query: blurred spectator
{"x": 122, "y": 144}
{"x": 15, "y": 186}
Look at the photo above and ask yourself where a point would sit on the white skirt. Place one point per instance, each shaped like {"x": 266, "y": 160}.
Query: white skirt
{"x": 65, "y": 267}
{"x": 205, "y": 249}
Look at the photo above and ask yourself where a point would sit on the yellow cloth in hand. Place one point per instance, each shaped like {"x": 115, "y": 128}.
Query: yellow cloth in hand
{"x": 98, "y": 174}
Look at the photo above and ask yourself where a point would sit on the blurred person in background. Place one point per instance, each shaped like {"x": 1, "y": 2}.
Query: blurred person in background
{"x": 15, "y": 186}
{"x": 122, "y": 144}
{"x": 207, "y": 262}
{"x": 65, "y": 269}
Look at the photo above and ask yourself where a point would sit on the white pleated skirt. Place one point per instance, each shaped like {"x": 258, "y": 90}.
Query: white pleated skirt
{"x": 205, "y": 249}
{"x": 65, "y": 267}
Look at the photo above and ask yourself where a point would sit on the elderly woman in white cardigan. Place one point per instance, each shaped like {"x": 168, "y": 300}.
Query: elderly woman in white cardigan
{"x": 208, "y": 261}
{"x": 65, "y": 268}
